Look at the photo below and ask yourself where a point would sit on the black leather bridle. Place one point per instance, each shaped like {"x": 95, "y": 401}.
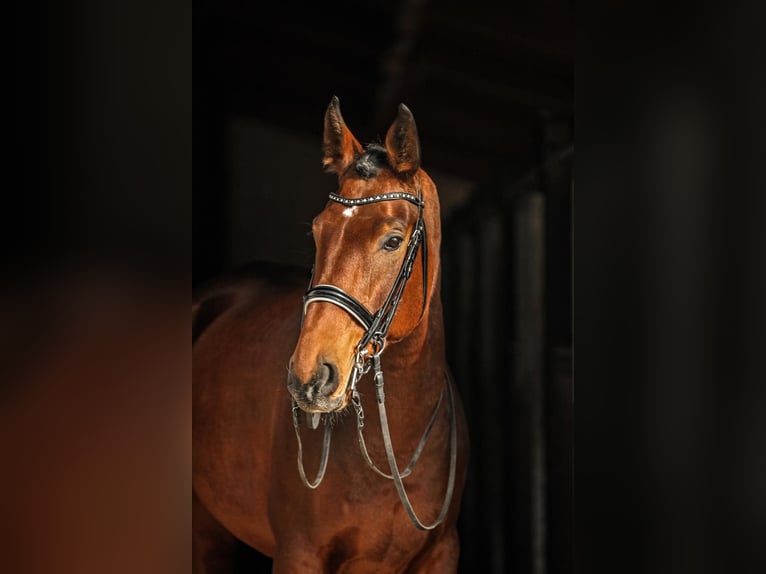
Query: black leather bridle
{"x": 377, "y": 324}
{"x": 367, "y": 356}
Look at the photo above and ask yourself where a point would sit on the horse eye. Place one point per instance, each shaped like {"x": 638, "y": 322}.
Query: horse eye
{"x": 393, "y": 243}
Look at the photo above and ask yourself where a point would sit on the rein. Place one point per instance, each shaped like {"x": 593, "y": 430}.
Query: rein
{"x": 367, "y": 356}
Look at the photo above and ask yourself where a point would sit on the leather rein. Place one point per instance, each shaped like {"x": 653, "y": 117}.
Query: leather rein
{"x": 367, "y": 357}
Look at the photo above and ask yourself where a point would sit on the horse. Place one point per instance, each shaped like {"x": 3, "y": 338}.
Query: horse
{"x": 328, "y": 433}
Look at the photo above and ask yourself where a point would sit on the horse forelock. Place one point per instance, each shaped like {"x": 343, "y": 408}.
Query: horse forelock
{"x": 369, "y": 162}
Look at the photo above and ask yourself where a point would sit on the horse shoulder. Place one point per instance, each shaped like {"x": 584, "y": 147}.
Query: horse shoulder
{"x": 244, "y": 327}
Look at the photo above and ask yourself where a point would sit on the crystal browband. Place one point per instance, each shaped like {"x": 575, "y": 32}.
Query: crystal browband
{"x": 372, "y": 199}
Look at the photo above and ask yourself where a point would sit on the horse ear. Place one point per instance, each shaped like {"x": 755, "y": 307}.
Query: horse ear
{"x": 402, "y": 142}
{"x": 340, "y": 145}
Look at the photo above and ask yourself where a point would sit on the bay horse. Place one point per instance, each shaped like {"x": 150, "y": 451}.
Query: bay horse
{"x": 327, "y": 432}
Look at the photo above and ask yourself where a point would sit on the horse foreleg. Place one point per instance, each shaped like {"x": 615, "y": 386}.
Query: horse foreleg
{"x": 213, "y": 547}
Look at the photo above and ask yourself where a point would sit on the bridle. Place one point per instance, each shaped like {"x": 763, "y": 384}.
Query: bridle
{"x": 367, "y": 356}
{"x": 377, "y": 325}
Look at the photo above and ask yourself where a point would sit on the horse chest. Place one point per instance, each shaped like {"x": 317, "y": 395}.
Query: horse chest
{"x": 370, "y": 539}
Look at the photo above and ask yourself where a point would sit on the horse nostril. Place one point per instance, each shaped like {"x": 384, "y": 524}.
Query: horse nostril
{"x": 326, "y": 379}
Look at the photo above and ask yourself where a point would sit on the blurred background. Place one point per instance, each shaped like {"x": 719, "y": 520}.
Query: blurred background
{"x": 665, "y": 266}
{"x": 491, "y": 86}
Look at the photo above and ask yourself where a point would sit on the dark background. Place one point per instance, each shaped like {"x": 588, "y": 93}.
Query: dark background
{"x": 666, "y": 262}
{"x": 491, "y": 85}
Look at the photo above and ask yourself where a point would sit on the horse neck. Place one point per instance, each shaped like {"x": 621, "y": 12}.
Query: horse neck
{"x": 414, "y": 368}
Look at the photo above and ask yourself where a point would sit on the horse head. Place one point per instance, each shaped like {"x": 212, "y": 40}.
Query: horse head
{"x": 364, "y": 238}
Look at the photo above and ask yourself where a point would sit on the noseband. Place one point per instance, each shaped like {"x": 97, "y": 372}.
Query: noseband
{"x": 367, "y": 356}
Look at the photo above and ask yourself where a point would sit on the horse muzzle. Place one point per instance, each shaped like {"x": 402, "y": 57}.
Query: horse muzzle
{"x": 317, "y": 394}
